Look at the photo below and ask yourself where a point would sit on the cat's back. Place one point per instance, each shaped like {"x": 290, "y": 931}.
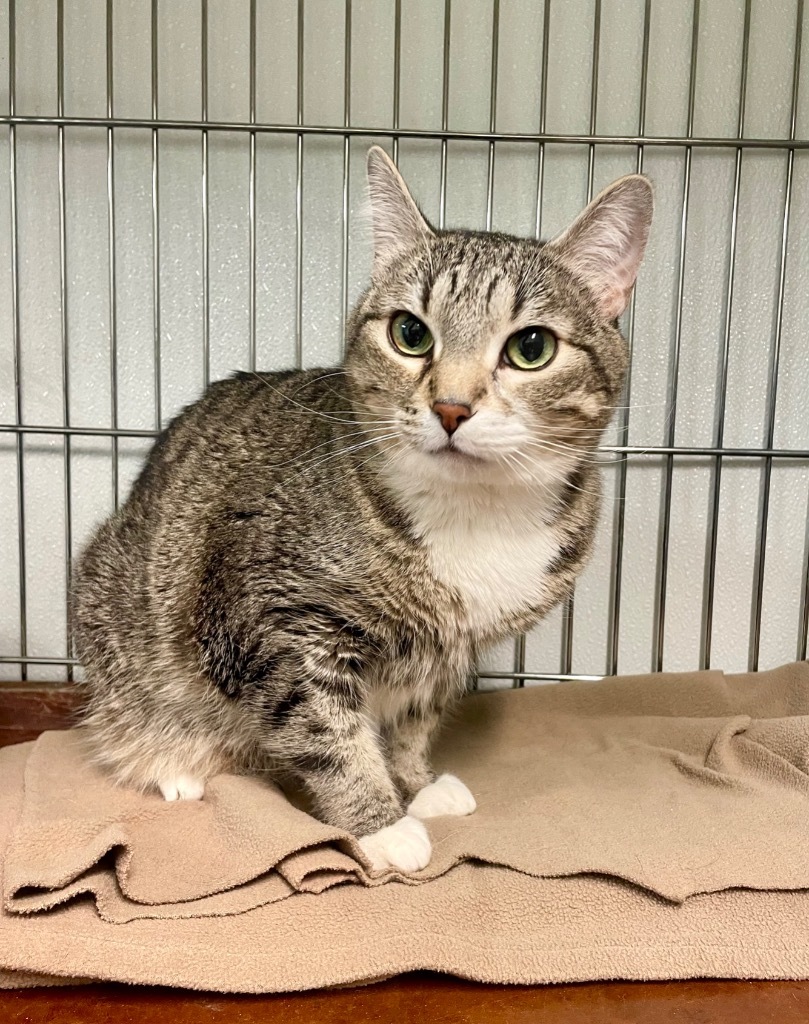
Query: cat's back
{"x": 248, "y": 428}
{"x": 220, "y": 458}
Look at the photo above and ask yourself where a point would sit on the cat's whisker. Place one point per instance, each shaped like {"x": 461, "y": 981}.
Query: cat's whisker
{"x": 331, "y": 440}
{"x": 616, "y": 408}
{"x": 598, "y": 458}
{"x": 394, "y": 453}
{"x": 323, "y": 376}
{"x": 637, "y": 405}
{"x": 576, "y": 430}
{"x": 583, "y": 450}
{"x": 355, "y": 416}
{"x": 305, "y": 408}
{"x": 578, "y": 454}
{"x": 349, "y": 450}
{"x": 586, "y": 433}
{"x": 525, "y": 468}
{"x": 511, "y": 460}
{"x": 349, "y": 419}
{"x": 565, "y": 481}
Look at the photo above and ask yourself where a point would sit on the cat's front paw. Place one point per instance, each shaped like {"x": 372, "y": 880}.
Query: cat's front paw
{"x": 181, "y": 787}
{"x": 447, "y": 795}
{"x": 404, "y": 845}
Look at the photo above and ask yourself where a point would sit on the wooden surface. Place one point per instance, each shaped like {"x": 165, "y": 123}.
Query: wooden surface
{"x": 426, "y": 999}
{"x": 25, "y": 710}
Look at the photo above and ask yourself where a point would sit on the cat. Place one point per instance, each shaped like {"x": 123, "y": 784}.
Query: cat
{"x": 309, "y": 563}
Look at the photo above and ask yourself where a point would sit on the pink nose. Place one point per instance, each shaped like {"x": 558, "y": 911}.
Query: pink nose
{"x": 451, "y": 415}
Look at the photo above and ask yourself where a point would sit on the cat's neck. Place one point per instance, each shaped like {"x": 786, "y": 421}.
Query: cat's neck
{"x": 437, "y": 498}
{"x": 491, "y": 541}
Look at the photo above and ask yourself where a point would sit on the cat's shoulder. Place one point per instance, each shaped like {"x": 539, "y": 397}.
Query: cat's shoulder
{"x": 291, "y": 387}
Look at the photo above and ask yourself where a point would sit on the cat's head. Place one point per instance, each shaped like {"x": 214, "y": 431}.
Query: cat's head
{"x": 486, "y": 356}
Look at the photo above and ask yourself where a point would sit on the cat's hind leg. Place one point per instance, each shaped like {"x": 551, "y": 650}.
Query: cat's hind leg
{"x": 181, "y": 787}
{"x": 147, "y": 749}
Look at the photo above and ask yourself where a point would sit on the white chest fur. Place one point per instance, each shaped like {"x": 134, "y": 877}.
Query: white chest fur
{"x": 494, "y": 549}
{"x": 498, "y": 570}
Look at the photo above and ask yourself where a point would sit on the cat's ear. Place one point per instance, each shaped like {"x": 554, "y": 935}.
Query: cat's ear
{"x": 604, "y": 246}
{"x": 398, "y": 223}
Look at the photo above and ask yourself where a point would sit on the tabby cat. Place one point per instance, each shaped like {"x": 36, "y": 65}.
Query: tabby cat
{"x": 310, "y": 561}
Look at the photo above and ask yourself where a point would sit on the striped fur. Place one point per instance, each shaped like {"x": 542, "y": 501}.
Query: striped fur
{"x": 308, "y": 565}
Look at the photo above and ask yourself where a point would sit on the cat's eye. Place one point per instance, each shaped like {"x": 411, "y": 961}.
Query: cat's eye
{"x": 410, "y": 336}
{"x": 531, "y": 348}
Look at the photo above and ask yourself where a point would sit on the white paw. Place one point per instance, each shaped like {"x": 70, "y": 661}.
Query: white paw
{"x": 181, "y": 787}
{"x": 447, "y": 795}
{"x": 404, "y": 845}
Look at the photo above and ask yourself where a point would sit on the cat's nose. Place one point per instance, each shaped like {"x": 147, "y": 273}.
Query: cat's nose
{"x": 451, "y": 414}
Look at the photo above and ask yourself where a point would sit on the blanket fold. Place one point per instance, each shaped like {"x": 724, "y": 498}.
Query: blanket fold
{"x": 605, "y": 811}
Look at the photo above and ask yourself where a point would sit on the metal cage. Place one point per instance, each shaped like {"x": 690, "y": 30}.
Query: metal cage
{"x": 764, "y": 181}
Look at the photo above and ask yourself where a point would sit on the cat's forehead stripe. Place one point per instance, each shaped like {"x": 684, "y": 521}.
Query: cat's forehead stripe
{"x": 465, "y": 268}
{"x": 466, "y": 283}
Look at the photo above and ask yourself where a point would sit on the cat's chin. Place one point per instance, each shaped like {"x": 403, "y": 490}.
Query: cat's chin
{"x": 446, "y": 466}
{"x": 450, "y": 459}
{"x": 455, "y": 455}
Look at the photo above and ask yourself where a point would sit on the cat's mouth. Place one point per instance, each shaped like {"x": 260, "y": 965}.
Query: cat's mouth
{"x": 451, "y": 452}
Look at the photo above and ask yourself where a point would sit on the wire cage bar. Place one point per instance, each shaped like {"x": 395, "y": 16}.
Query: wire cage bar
{"x": 697, "y": 473}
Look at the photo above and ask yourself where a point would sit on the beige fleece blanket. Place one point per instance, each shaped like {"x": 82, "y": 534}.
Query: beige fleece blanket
{"x": 642, "y": 827}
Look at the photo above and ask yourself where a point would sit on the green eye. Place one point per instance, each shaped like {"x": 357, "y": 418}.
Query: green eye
{"x": 410, "y": 336}
{"x": 531, "y": 348}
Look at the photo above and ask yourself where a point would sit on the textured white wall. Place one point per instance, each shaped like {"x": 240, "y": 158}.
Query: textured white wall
{"x": 753, "y": 313}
